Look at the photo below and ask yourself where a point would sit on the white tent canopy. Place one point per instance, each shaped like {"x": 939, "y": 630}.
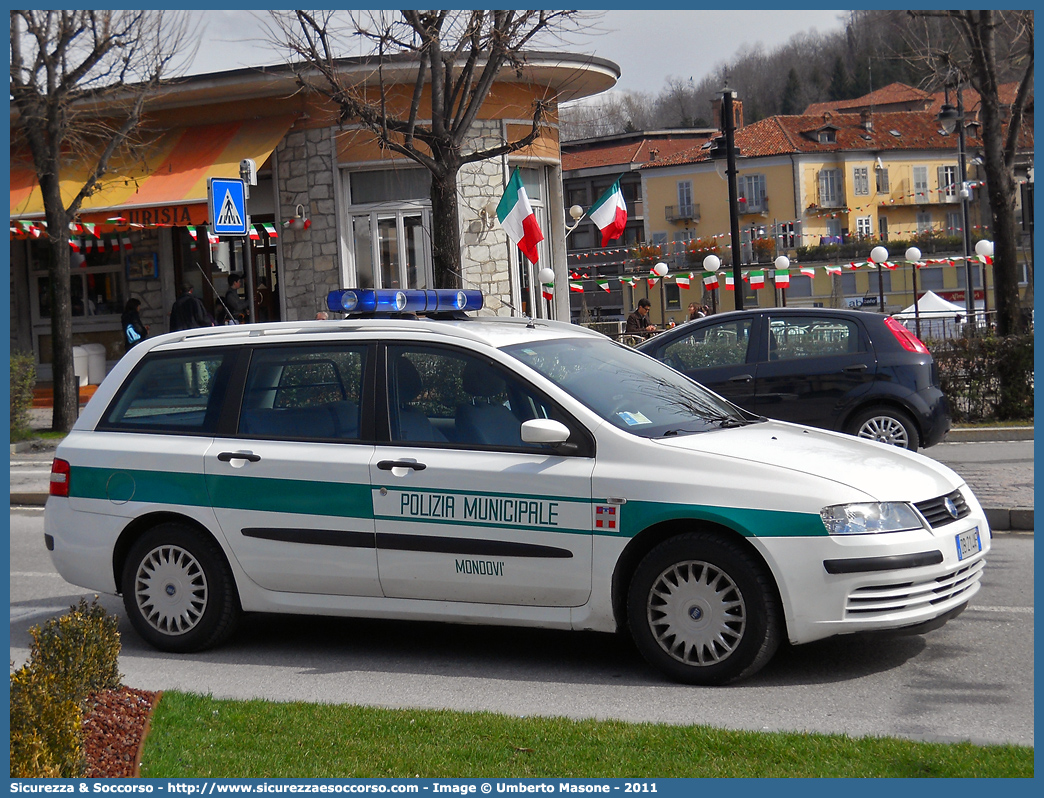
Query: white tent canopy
{"x": 939, "y": 318}
{"x": 931, "y": 305}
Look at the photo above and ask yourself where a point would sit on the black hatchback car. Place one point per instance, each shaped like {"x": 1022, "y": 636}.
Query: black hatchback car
{"x": 846, "y": 370}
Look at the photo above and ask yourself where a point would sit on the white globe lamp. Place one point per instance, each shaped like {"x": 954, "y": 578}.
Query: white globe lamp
{"x": 913, "y": 254}
{"x": 546, "y": 275}
{"x": 782, "y": 262}
{"x": 984, "y": 248}
{"x": 711, "y": 263}
{"x": 879, "y": 254}
{"x": 660, "y": 269}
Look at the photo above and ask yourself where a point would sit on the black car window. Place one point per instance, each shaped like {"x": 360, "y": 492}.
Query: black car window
{"x": 171, "y": 393}
{"x": 303, "y": 393}
{"x": 723, "y": 344}
{"x": 794, "y": 337}
{"x": 444, "y": 396}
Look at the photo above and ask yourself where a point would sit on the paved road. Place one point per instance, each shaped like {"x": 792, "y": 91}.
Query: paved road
{"x": 1000, "y": 473}
{"x": 970, "y": 680}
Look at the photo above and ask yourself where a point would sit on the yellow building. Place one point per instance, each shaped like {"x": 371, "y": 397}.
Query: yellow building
{"x": 824, "y": 190}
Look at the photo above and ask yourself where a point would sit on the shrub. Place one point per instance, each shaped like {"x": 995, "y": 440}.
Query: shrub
{"x": 987, "y": 378}
{"x": 70, "y": 657}
{"x": 23, "y": 380}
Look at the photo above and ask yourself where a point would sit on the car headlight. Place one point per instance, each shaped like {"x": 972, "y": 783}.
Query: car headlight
{"x": 870, "y": 518}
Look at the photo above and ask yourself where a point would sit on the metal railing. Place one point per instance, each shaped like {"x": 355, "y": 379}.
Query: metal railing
{"x": 682, "y": 213}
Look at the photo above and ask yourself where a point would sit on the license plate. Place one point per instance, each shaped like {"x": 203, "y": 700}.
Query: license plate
{"x": 968, "y": 543}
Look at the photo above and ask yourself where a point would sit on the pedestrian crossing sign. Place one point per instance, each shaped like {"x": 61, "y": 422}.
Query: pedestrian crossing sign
{"x": 226, "y": 206}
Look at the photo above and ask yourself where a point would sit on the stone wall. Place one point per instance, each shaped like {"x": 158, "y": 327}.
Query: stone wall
{"x": 484, "y": 249}
{"x": 310, "y": 266}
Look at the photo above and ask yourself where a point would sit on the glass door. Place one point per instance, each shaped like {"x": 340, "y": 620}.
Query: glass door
{"x": 391, "y": 249}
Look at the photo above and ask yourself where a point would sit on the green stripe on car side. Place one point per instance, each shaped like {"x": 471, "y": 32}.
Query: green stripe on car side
{"x": 122, "y": 485}
{"x": 295, "y": 496}
{"x": 355, "y": 501}
{"x": 749, "y": 522}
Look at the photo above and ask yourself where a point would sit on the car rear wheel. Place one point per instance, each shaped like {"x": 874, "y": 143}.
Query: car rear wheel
{"x": 703, "y": 611}
{"x": 178, "y": 589}
{"x": 887, "y": 425}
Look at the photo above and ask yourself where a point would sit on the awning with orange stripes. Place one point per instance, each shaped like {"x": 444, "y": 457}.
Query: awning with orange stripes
{"x": 168, "y": 184}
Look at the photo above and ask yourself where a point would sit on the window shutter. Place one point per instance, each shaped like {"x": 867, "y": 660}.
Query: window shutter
{"x": 941, "y": 171}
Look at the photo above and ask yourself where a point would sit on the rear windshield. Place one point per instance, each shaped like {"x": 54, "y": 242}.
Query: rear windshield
{"x": 628, "y": 389}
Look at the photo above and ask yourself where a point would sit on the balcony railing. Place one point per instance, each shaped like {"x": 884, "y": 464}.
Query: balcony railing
{"x": 753, "y": 206}
{"x": 682, "y": 213}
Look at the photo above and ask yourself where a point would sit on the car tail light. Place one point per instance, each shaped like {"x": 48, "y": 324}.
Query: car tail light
{"x": 60, "y": 477}
{"x": 909, "y": 341}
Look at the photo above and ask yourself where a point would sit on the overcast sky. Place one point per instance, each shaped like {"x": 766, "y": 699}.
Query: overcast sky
{"x": 649, "y": 46}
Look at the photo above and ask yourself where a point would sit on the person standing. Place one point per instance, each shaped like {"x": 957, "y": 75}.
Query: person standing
{"x": 188, "y": 311}
{"x": 134, "y": 330}
{"x": 638, "y": 322}
{"x": 236, "y": 305}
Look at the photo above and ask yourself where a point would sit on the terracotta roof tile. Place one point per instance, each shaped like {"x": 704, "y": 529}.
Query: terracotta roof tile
{"x": 626, "y": 153}
{"x": 781, "y": 135}
{"x": 892, "y": 94}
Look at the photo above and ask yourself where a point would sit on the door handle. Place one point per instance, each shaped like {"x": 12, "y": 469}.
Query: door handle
{"x": 857, "y": 367}
{"x": 227, "y": 457}
{"x": 741, "y": 378}
{"x": 388, "y": 465}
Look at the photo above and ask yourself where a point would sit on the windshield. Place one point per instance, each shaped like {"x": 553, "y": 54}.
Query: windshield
{"x": 628, "y": 389}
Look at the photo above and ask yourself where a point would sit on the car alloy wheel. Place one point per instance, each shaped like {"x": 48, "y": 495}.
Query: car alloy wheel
{"x": 170, "y": 589}
{"x": 696, "y": 612}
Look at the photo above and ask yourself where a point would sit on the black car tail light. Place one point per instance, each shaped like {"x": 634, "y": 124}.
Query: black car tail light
{"x": 906, "y": 339}
{"x": 60, "y": 470}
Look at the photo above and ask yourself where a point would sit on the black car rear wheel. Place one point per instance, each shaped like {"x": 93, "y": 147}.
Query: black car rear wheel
{"x": 178, "y": 590}
{"x": 887, "y": 425}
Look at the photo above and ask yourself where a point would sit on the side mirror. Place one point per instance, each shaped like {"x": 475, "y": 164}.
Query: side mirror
{"x": 549, "y": 432}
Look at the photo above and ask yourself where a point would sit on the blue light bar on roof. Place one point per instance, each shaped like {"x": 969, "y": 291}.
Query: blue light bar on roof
{"x": 413, "y": 300}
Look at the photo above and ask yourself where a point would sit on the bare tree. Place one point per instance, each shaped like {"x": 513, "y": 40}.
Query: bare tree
{"x": 457, "y": 56}
{"x": 79, "y": 80}
{"x": 989, "y": 47}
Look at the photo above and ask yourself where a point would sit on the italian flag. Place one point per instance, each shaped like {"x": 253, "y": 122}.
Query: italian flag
{"x": 603, "y": 284}
{"x": 833, "y": 269}
{"x": 517, "y": 218}
{"x": 710, "y": 280}
{"x": 576, "y": 287}
{"x": 683, "y": 280}
{"x": 730, "y": 282}
{"x": 808, "y": 271}
{"x": 548, "y": 291}
{"x": 610, "y": 213}
{"x": 631, "y": 281}
{"x": 782, "y": 278}
{"x": 125, "y": 240}
{"x": 757, "y": 279}
{"x": 652, "y": 281}
{"x": 270, "y": 229}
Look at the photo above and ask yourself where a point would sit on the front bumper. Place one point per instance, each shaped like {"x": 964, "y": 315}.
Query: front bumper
{"x": 842, "y": 585}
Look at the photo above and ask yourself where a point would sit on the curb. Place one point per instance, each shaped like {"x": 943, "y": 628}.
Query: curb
{"x": 1012, "y": 519}
{"x": 986, "y": 434}
{"x": 28, "y": 499}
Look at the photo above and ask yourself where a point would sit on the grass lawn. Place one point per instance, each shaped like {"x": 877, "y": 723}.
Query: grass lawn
{"x": 196, "y": 736}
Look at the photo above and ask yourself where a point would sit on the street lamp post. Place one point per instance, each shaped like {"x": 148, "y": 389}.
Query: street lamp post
{"x": 913, "y": 257}
{"x": 728, "y": 123}
{"x": 950, "y": 118}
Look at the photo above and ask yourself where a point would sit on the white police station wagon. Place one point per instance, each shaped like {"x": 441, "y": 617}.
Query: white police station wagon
{"x": 421, "y": 464}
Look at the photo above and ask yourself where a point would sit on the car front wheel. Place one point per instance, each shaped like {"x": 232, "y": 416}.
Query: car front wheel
{"x": 887, "y": 425}
{"x": 178, "y": 589}
{"x": 702, "y": 610}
